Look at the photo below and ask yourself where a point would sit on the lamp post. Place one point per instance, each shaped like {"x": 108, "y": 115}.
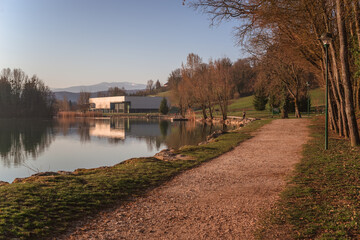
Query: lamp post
{"x": 308, "y": 98}
{"x": 326, "y": 39}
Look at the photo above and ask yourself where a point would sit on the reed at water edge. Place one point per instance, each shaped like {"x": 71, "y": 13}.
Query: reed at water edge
{"x": 69, "y": 114}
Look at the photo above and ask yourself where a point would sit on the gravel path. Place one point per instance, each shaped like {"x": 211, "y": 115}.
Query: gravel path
{"x": 221, "y": 199}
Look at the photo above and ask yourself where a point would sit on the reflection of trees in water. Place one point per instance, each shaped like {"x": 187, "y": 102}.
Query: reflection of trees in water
{"x": 20, "y": 139}
{"x": 164, "y": 125}
{"x": 84, "y": 131}
{"x": 188, "y": 133}
{"x": 154, "y": 142}
{"x": 64, "y": 125}
{"x": 116, "y": 140}
{"x": 81, "y": 125}
{"x": 178, "y": 134}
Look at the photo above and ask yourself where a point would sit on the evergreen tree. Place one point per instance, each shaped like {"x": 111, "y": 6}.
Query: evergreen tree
{"x": 260, "y": 99}
{"x": 157, "y": 85}
{"x": 164, "y": 109}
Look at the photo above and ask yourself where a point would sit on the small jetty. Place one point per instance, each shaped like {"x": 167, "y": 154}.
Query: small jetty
{"x": 179, "y": 119}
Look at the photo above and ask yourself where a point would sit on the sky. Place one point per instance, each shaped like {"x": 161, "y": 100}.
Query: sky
{"x": 83, "y": 42}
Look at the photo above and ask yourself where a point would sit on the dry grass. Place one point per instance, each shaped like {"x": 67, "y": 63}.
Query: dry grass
{"x": 68, "y": 114}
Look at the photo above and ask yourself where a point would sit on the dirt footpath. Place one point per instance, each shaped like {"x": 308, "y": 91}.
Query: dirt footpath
{"x": 221, "y": 199}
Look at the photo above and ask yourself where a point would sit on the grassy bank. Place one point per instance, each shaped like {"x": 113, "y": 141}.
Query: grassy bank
{"x": 322, "y": 200}
{"x": 239, "y": 105}
{"x": 45, "y": 206}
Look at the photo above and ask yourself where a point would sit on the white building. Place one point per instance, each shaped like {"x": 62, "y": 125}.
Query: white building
{"x": 126, "y": 104}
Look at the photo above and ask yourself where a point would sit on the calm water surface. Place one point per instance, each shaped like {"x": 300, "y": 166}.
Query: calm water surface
{"x": 28, "y": 146}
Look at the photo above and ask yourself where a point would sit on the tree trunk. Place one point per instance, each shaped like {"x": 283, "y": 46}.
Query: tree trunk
{"x": 332, "y": 114}
{"x": 210, "y": 110}
{"x": 334, "y": 99}
{"x": 349, "y": 105}
{"x": 284, "y": 113}
{"x": 203, "y": 107}
{"x": 224, "y": 113}
{"x": 297, "y": 112}
{"x": 357, "y": 93}
{"x": 223, "y": 107}
{"x": 355, "y": 6}
{"x": 343, "y": 128}
{"x": 284, "y": 105}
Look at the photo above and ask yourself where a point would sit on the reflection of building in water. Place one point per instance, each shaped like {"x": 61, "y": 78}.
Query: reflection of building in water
{"x": 109, "y": 129}
{"x": 121, "y": 128}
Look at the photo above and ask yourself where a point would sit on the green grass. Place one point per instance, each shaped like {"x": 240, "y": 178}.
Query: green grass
{"x": 322, "y": 201}
{"x": 317, "y": 97}
{"x": 164, "y": 94}
{"x": 246, "y": 104}
{"x": 237, "y": 106}
{"x": 45, "y": 206}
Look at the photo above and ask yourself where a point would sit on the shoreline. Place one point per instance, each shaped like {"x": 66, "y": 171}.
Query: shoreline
{"x": 44, "y": 206}
{"x": 164, "y": 154}
{"x": 232, "y": 191}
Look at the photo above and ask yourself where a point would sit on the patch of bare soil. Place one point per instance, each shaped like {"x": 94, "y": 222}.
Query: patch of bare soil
{"x": 221, "y": 199}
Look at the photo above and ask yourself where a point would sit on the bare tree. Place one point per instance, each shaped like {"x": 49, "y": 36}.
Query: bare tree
{"x": 150, "y": 86}
{"x": 244, "y": 76}
{"x": 64, "y": 104}
{"x": 174, "y": 78}
{"x": 83, "y": 101}
{"x": 224, "y": 88}
{"x": 21, "y": 96}
{"x": 115, "y": 91}
{"x": 296, "y": 27}
{"x": 345, "y": 72}
{"x": 194, "y": 82}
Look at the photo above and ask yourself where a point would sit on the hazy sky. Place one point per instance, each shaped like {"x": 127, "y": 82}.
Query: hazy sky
{"x": 82, "y": 42}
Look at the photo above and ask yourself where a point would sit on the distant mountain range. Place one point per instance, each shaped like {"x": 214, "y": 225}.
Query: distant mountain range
{"x": 73, "y": 93}
{"x": 70, "y": 96}
{"x": 104, "y": 86}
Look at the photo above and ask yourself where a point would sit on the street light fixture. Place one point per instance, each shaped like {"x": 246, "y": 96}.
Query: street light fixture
{"x": 326, "y": 38}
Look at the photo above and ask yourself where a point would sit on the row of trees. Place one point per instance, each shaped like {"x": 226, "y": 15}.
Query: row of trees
{"x": 23, "y": 96}
{"x": 151, "y": 88}
{"x": 284, "y": 36}
{"x": 202, "y": 85}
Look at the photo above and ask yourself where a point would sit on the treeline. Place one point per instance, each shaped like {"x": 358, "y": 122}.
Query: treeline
{"x": 23, "y": 96}
{"x": 151, "y": 89}
{"x": 203, "y": 85}
{"x": 284, "y": 36}
{"x": 21, "y": 138}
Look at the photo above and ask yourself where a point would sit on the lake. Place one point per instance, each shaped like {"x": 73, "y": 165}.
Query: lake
{"x": 31, "y": 146}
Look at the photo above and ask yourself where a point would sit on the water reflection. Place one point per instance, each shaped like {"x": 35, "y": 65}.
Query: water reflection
{"x": 21, "y": 140}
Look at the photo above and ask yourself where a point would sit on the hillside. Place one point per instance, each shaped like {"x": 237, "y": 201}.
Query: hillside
{"x": 104, "y": 86}
{"x": 239, "y": 105}
{"x": 236, "y": 108}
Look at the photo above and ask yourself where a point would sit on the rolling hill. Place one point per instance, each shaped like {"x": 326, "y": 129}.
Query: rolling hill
{"x": 104, "y": 86}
